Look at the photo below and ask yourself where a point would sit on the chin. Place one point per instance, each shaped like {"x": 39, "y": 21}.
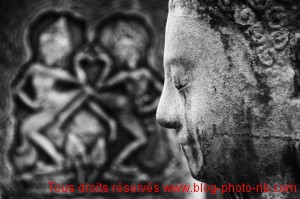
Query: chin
{"x": 194, "y": 157}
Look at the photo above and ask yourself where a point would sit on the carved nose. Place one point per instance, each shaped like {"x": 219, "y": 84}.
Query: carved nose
{"x": 168, "y": 111}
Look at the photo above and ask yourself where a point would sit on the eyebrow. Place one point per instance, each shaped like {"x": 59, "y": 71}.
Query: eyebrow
{"x": 179, "y": 61}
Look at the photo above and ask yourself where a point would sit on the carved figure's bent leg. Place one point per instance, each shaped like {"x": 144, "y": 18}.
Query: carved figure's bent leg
{"x": 111, "y": 123}
{"x": 99, "y": 155}
{"x": 31, "y": 130}
{"x": 130, "y": 123}
{"x": 76, "y": 153}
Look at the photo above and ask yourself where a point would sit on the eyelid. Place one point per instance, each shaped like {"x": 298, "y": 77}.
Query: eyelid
{"x": 180, "y": 83}
{"x": 183, "y": 87}
{"x": 180, "y": 73}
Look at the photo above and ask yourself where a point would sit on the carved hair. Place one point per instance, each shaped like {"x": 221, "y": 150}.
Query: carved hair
{"x": 272, "y": 28}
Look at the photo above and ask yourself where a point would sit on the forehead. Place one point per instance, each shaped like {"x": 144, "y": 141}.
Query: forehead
{"x": 186, "y": 4}
{"x": 190, "y": 38}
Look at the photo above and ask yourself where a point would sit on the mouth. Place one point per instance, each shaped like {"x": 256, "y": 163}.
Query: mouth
{"x": 194, "y": 157}
{"x": 184, "y": 138}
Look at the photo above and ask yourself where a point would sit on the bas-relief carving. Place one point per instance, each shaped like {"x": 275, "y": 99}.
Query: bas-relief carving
{"x": 84, "y": 108}
{"x": 237, "y": 109}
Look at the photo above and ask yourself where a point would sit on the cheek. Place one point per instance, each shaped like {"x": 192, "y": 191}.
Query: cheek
{"x": 192, "y": 108}
{"x": 201, "y": 106}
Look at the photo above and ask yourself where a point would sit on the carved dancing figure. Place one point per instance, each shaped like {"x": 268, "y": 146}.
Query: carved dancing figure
{"x": 54, "y": 46}
{"x": 134, "y": 79}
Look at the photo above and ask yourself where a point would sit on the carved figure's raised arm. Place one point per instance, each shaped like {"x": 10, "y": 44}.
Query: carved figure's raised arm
{"x": 120, "y": 78}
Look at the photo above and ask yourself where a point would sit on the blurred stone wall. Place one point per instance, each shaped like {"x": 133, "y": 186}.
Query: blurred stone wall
{"x": 80, "y": 82}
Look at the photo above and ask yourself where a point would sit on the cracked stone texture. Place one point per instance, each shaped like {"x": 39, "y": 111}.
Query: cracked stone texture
{"x": 232, "y": 76}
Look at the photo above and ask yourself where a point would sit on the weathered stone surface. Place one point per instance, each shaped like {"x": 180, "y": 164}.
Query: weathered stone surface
{"x": 232, "y": 90}
{"x": 85, "y": 79}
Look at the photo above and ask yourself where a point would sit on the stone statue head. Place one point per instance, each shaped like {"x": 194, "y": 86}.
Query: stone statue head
{"x": 232, "y": 88}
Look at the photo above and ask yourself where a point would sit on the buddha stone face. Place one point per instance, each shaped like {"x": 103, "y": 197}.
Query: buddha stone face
{"x": 231, "y": 99}
{"x": 203, "y": 93}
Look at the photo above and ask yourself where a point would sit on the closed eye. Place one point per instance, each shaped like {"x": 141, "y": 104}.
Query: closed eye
{"x": 180, "y": 84}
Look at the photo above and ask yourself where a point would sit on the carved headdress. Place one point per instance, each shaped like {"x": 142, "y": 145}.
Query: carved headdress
{"x": 271, "y": 27}
{"x": 276, "y": 13}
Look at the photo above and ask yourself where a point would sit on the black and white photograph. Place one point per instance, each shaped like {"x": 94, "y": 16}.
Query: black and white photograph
{"x": 150, "y": 99}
